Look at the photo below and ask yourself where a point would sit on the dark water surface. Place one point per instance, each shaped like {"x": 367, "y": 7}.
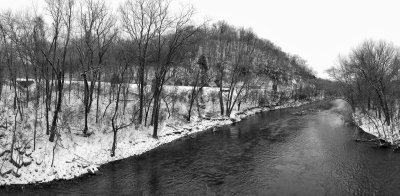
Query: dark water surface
{"x": 274, "y": 153}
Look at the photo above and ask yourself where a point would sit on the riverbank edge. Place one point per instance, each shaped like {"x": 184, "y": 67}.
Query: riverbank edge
{"x": 367, "y": 127}
{"x": 221, "y": 122}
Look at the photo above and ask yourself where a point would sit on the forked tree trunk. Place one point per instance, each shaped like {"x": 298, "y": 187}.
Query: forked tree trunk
{"x": 60, "y": 79}
{"x": 114, "y": 126}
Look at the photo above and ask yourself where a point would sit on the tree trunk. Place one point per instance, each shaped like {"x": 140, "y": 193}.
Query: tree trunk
{"x": 147, "y": 114}
{"x": 35, "y": 126}
{"x": 70, "y": 87}
{"x": 114, "y": 127}
{"x": 98, "y": 97}
{"x": 58, "y": 107}
{"x": 91, "y": 92}
{"x": 387, "y": 114}
{"x": 48, "y": 101}
{"x": 190, "y": 111}
{"x": 192, "y": 98}
{"x": 156, "y": 112}
{"x": 86, "y": 103}
{"x": 13, "y": 137}
{"x": 109, "y": 93}
{"x": 27, "y": 91}
{"x": 54, "y": 150}
{"x": 125, "y": 100}
{"x": 221, "y": 99}
{"x": 1, "y": 80}
{"x": 141, "y": 93}
{"x": 114, "y": 144}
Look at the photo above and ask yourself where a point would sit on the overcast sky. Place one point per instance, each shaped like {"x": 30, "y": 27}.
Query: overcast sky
{"x": 317, "y": 30}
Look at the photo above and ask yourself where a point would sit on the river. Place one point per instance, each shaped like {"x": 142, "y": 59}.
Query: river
{"x": 274, "y": 153}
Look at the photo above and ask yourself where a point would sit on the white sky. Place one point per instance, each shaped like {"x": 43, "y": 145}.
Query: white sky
{"x": 316, "y": 30}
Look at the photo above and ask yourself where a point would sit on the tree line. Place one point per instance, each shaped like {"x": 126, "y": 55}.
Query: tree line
{"x": 146, "y": 43}
{"x": 369, "y": 78}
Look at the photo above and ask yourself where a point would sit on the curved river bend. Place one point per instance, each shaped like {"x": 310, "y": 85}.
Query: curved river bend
{"x": 274, "y": 153}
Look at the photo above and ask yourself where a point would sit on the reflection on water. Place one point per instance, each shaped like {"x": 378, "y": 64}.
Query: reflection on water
{"x": 275, "y": 153}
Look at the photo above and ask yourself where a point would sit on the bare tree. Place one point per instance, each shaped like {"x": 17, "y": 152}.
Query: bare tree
{"x": 369, "y": 75}
{"x": 115, "y": 126}
{"x": 241, "y": 68}
{"x": 224, "y": 36}
{"x": 61, "y": 12}
{"x": 97, "y": 34}
{"x": 141, "y": 20}
{"x": 173, "y": 35}
{"x": 28, "y": 36}
{"x": 201, "y": 80}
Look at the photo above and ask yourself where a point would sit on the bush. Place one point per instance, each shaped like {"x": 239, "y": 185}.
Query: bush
{"x": 115, "y": 79}
{"x": 262, "y": 101}
{"x": 179, "y": 82}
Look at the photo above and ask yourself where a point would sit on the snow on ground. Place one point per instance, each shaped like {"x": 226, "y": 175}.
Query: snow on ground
{"x": 76, "y": 155}
{"x": 375, "y": 126}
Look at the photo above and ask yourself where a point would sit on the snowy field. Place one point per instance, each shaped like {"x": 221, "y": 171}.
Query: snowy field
{"x": 75, "y": 155}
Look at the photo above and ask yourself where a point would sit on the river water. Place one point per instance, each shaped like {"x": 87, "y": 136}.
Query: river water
{"x": 273, "y": 153}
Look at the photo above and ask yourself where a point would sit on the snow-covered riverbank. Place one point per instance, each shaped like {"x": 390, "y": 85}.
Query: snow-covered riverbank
{"x": 377, "y": 127}
{"x": 80, "y": 155}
